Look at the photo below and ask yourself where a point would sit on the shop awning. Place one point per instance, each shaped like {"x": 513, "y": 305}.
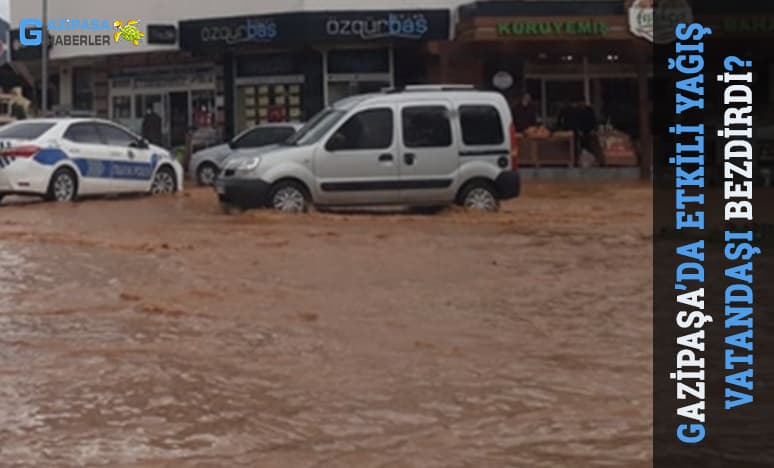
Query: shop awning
{"x": 549, "y": 21}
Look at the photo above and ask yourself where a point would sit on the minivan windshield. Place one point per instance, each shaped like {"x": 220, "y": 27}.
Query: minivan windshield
{"x": 316, "y": 128}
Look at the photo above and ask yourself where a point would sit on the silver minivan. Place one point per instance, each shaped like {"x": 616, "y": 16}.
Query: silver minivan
{"x": 418, "y": 146}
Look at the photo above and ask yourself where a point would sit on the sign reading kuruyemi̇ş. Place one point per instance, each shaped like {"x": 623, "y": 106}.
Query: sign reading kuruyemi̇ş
{"x": 588, "y": 27}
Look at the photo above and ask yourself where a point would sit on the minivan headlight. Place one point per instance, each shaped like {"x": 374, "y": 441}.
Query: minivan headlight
{"x": 248, "y": 165}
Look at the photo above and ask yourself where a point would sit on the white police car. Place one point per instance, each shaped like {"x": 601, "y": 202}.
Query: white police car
{"x": 64, "y": 158}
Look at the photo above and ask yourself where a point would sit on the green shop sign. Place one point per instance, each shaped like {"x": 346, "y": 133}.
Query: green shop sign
{"x": 554, "y": 28}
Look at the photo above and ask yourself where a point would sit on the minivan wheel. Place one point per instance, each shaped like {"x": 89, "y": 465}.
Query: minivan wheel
{"x": 206, "y": 174}
{"x": 480, "y": 196}
{"x": 289, "y": 197}
{"x": 63, "y": 186}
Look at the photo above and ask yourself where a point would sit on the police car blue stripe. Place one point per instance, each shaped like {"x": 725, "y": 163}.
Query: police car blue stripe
{"x": 101, "y": 168}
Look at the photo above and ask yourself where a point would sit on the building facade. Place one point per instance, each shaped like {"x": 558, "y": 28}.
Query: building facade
{"x": 230, "y": 64}
{"x": 236, "y": 63}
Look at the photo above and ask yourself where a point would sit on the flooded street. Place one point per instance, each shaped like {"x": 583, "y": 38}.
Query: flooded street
{"x": 148, "y": 332}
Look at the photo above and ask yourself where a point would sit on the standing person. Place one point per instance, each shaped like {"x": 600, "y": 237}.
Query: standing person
{"x": 524, "y": 113}
{"x": 586, "y": 125}
{"x": 151, "y": 126}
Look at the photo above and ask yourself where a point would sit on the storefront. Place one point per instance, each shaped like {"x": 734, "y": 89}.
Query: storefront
{"x": 288, "y": 66}
{"x": 564, "y": 55}
{"x": 178, "y": 94}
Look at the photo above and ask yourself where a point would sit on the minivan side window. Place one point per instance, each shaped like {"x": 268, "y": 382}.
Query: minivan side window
{"x": 481, "y": 125}
{"x": 366, "y": 130}
{"x": 426, "y": 127}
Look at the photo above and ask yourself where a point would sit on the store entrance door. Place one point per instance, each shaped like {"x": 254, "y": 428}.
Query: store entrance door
{"x": 178, "y": 122}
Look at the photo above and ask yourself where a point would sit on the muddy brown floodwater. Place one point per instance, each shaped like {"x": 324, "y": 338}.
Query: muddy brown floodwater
{"x": 158, "y": 332}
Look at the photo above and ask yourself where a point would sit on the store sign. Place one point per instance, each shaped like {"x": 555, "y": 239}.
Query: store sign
{"x": 162, "y": 34}
{"x": 658, "y": 24}
{"x": 754, "y": 25}
{"x": 316, "y": 27}
{"x": 583, "y": 27}
{"x": 502, "y": 80}
{"x": 378, "y": 27}
{"x": 250, "y": 30}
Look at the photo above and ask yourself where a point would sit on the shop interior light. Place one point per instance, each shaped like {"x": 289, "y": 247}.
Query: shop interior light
{"x": 567, "y": 58}
{"x": 542, "y": 56}
{"x": 612, "y": 57}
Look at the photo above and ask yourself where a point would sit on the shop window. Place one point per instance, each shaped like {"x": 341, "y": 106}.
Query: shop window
{"x": 267, "y": 103}
{"x": 426, "y": 127}
{"x": 359, "y": 61}
{"x": 268, "y": 65}
{"x": 83, "y": 133}
{"x": 357, "y": 71}
{"x": 122, "y": 107}
{"x": 619, "y": 99}
{"x": 481, "y": 125}
{"x": 367, "y": 130}
{"x": 535, "y": 90}
{"x": 561, "y": 96}
{"x": 143, "y": 102}
{"x": 83, "y": 89}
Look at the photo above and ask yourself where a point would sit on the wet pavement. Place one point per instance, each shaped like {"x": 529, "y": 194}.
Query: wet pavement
{"x": 147, "y": 332}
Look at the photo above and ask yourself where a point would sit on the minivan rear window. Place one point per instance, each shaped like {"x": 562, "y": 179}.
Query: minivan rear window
{"x": 25, "y": 130}
{"x": 481, "y": 125}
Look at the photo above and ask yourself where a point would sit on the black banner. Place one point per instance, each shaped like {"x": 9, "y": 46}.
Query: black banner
{"x": 713, "y": 234}
{"x": 162, "y": 34}
{"x": 295, "y": 29}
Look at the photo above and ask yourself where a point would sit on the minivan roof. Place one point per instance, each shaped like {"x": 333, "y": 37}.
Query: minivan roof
{"x": 399, "y": 96}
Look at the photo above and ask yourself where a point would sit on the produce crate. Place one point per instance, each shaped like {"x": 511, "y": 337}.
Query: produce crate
{"x": 616, "y": 149}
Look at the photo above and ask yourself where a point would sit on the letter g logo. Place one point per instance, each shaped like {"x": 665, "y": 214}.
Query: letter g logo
{"x": 30, "y": 32}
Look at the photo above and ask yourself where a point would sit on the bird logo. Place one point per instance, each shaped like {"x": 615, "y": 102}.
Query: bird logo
{"x": 128, "y": 31}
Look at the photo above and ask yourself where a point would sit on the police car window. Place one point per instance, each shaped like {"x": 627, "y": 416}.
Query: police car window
{"x": 25, "y": 130}
{"x": 481, "y": 125}
{"x": 426, "y": 127}
{"x": 370, "y": 129}
{"x": 114, "y": 136}
{"x": 83, "y": 133}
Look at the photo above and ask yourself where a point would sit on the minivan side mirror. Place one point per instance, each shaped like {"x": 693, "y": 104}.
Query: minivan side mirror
{"x": 338, "y": 141}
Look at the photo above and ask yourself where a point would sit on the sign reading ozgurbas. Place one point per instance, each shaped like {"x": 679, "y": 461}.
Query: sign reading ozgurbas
{"x": 582, "y": 27}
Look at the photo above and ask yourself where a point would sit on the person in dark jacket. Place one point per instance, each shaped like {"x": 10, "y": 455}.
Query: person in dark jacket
{"x": 524, "y": 113}
{"x": 151, "y": 127}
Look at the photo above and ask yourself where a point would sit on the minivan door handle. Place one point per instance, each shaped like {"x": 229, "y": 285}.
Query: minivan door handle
{"x": 386, "y": 157}
{"x": 409, "y": 158}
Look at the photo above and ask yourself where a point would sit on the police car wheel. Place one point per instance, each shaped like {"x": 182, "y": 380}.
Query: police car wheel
{"x": 163, "y": 182}
{"x": 63, "y": 186}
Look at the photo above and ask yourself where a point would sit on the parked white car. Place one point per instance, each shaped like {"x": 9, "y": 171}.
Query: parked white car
{"x": 207, "y": 163}
{"x": 64, "y": 158}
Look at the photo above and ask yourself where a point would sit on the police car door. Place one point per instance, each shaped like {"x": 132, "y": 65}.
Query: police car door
{"x": 83, "y": 145}
{"x": 131, "y": 167}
